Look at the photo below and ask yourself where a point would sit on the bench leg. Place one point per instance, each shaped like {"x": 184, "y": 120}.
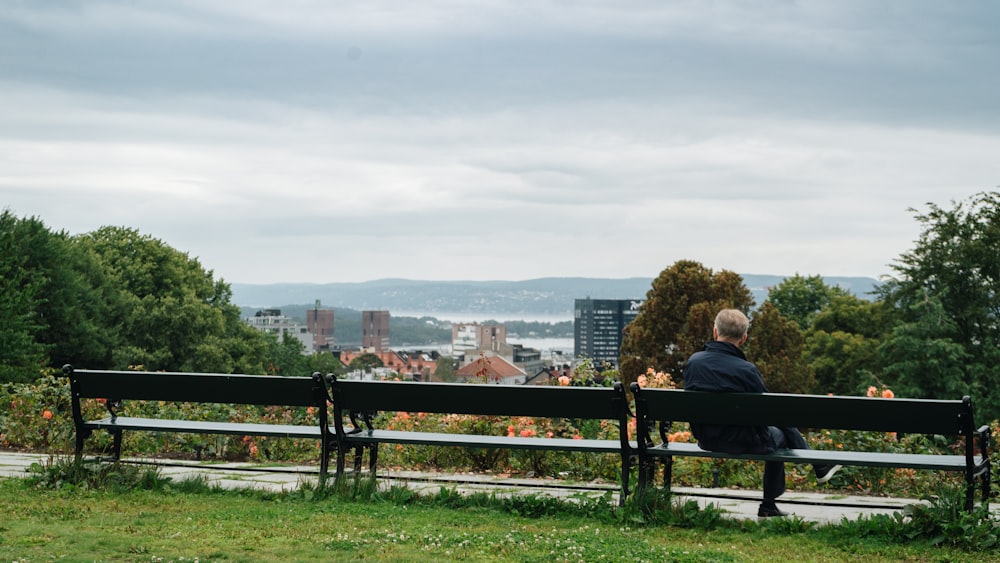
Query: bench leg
{"x": 81, "y": 435}
{"x": 116, "y": 449}
{"x": 359, "y": 452}
{"x": 668, "y": 472}
{"x": 626, "y": 470}
{"x": 324, "y": 462}
{"x": 372, "y": 458}
{"x": 340, "y": 461}
{"x": 985, "y": 477}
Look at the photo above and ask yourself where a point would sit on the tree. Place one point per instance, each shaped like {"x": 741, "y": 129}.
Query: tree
{"x": 21, "y": 355}
{"x": 172, "y": 314}
{"x": 801, "y": 298}
{"x": 776, "y": 347}
{"x": 286, "y": 356}
{"x": 677, "y": 316}
{"x": 954, "y": 263}
{"x": 922, "y": 360}
{"x": 444, "y": 369}
{"x": 365, "y": 362}
{"x": 842, "y": 344}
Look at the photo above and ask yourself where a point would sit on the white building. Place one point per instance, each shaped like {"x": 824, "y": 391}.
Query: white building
{"x": 272, "y": 321}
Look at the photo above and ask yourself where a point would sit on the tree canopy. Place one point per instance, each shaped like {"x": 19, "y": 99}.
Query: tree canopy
{"x": 677, "y": 316}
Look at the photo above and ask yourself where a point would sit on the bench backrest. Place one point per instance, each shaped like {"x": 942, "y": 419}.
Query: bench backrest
{"x": 466, "y": 398}
{"x": 196, "y": 387}
{"x": 918, "y": 416}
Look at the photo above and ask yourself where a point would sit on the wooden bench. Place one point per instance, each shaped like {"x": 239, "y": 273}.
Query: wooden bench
{"x": 353, "y": 397}
{"x": 906, "y": 416}
{"x": 113, "y": 387}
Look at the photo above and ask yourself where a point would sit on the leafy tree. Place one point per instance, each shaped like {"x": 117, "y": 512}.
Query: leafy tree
{"x": 677, "y": 317}
{"x": 286, "y": 356}
{"x": 842, "y": 344}
{"x": 364, "y": 362}
{"x": 21, "y": 355}
{"x": 843, "y": 363}
{"x": 954, "y": 263}
{"x": 325, "y": 362}
{"x": 801, "y": 298}
{"x": 923, "y": 360}
{"x": 172, "y": 314}
{"x": 57, "y": 291}
{"x": 445, "y": 370}
{"x": 776, "y": 347}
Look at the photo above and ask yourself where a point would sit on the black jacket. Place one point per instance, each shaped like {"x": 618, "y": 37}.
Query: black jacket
{"x": 723, "y": 367}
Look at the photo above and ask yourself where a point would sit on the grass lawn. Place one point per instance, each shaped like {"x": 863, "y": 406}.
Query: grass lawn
{"x": 188, "y": 523}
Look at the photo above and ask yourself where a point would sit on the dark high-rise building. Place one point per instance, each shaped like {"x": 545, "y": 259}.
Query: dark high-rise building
{"x": 375, "y": 330}
{"x": 320, "y": 324}
{"x": 598, "y": 326}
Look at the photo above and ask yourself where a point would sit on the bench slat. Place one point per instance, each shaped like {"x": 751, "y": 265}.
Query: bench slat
{"x": 915, "y": 416}
{"x": 869, "y": 459}
{"x": 205, "y": 427}
{"x": 465, "y": 398}
{"x": 482, "y": 441}
{"x": 196, "y": 387}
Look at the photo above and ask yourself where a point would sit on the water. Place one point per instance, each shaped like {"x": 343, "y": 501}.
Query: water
{"x": 564, "y": 345}
{"x": 483, "y": 317}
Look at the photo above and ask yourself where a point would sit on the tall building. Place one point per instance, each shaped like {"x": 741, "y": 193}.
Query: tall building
{"x": 598, "y": 325}
{"x": 471, "y": 337}
{"x": 320, "y": 325}
{"x": 375, "y": 330}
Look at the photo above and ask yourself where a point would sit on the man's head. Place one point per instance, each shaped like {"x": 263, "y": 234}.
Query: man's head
{"x": 731, "y": 326}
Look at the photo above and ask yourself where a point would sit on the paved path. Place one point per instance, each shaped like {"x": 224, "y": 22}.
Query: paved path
{"x": 810, "y": 506}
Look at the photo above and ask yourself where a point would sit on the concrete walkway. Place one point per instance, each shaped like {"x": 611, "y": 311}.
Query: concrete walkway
{"x": 809, "y": 506}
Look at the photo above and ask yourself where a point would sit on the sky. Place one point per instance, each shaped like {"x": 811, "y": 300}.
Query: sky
{"x": 347, "y": 141}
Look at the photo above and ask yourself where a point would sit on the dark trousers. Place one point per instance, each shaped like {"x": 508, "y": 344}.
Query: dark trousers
{"x": 774, "y": 471}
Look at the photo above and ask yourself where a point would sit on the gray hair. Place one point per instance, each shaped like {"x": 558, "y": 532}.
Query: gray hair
{"x": 732, "y": 323}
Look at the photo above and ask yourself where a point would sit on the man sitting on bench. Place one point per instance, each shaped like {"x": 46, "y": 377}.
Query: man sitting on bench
{"x": 722, "y": 367}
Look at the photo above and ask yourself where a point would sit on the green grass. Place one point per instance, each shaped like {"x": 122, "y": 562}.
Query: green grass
{"x": 189, "y": 521}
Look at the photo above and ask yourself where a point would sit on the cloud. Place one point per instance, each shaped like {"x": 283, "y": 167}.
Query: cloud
{"x": 346, "y": 141}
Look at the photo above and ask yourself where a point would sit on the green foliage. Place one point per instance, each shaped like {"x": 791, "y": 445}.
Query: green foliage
{"x": 801, "y": 298}
{"x": 942, "y": 522}
{"x": 365, "y": 362}
{"x": 444, "y": 369}
{"x": 68, "y": 473}
{"x": 173, "y": 315}
{"x": 922, "y": 358}
{"x": 954, "y": 263}
{"x": 776, "y": 347}
{"x": 842, "y": 345}
{"x": 51, "y": 297}
{"x": 676, "y": 318}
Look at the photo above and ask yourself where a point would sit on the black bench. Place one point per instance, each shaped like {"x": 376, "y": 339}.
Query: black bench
{"x": 355, "y": 398}
{"x": 116, "y": 386}
{"x": 906, "y": 416}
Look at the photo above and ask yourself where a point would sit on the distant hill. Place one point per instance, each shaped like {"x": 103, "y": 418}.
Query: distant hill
{"x": 501, "y": 300}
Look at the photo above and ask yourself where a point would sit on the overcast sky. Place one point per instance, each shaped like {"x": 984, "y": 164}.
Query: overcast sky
{"x": 323, "y": 141}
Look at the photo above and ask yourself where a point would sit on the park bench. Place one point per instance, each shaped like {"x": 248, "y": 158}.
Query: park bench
{"x": 362, "y": 399}
{"x": 113, "y": 387}
{"x": 904, "y": 416}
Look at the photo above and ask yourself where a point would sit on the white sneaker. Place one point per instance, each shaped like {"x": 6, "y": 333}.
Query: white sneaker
{"x": 828, "y": 474}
